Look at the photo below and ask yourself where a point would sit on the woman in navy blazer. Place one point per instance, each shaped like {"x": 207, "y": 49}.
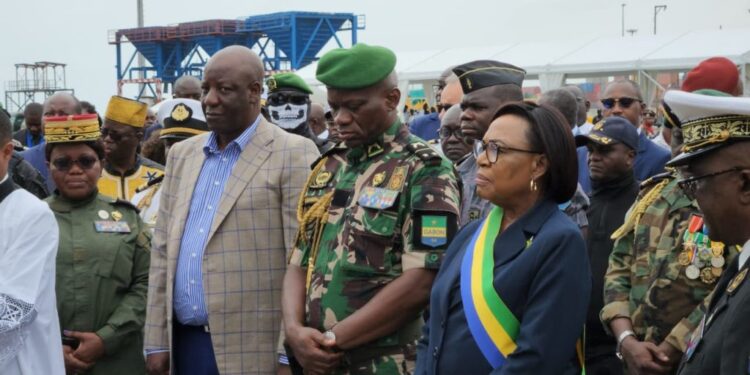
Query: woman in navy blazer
{"x": 527, "y": 165}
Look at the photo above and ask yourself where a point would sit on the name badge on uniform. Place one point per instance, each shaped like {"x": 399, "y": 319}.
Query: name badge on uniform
{"x": 378, "y": 198}
{"x": 106, "y": 226}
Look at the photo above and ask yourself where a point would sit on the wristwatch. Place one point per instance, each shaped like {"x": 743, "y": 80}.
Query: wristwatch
{"x": 620, "y": 339}
{"x": 330, "y": 336}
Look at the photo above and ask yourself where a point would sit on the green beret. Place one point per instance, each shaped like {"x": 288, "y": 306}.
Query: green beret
{"x": 355, "y": 68}
{"x": 288, "y": 81}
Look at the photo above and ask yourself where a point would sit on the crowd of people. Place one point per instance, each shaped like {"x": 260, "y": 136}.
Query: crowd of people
{"x": 232, "y": 231}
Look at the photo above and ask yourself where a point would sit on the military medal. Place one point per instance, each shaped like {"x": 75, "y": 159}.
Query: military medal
{"x": 116, "y": 215}
{"x": 717, "y": 248}
{"x": 684, "y": 258}
{"x": 692, "y": 272}
{"x": 717, "y": 262}
{"x": 104, "y": 215}
{"x": 707, "y": 276}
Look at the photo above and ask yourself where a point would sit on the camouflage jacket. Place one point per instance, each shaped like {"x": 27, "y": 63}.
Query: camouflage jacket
{"x": 472, "y": 206}
{"x": 382, "y": 209}
{"x": 645, "y": 280}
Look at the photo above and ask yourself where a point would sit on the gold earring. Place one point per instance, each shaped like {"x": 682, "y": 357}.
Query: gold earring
{"x": 532, "y": 185}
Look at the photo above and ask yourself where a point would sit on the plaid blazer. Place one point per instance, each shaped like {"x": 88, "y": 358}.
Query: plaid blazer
{"x": 245, "y": 257}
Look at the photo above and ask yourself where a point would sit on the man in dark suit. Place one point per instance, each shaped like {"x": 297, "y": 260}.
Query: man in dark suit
{"x": 715, "y": 171}
{"x": 33, "y": 133}
{"x": 624, "y": 99}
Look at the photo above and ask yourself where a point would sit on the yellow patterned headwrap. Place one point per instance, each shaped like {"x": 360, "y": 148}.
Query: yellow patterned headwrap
{"x": 66, "y": 129}
{"x": 126, "y": 111}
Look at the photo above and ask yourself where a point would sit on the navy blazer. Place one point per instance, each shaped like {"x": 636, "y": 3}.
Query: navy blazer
{"x": 546, "y": 286}
{"x": 649, "y": 161}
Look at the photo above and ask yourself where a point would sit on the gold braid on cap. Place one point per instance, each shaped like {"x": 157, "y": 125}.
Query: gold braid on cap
{"x": 317, "y": 215}
{"x": 717, "y": 129}
{"x": 635, "y": 214}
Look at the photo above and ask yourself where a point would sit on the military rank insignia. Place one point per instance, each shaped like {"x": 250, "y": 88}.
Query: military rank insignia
{"x": 378, "y": 179}
{"x": 321, "y": 179}
{"x": 701, "y": 257}
{"x": 434, "y": 230}
{"x": 398, "y": 178}
{"x": 736, "y": 281}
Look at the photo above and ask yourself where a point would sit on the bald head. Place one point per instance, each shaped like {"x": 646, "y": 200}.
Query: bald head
{"x": 188, "y": 87}
{"x": 317, "y": 119}
{"x": 61, "y": 104}
{"x": 452, "y": 116}
{"x": 563, "y": 101}
{"x": 239, "y": 58}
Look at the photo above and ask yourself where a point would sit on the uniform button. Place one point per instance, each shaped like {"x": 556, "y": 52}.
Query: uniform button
{"x": 435, "y": 352}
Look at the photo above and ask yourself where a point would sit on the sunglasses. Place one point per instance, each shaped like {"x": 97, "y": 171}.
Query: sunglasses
{"x": 114, "y": 136}
{"x": 65, "y": 164}
{"x": 690, "y": 185}
{"x": 446, "y": 133}
{"x": 493, "y": 149}
{"x": 624, "y": 102}
{"x": 281, "y": 99}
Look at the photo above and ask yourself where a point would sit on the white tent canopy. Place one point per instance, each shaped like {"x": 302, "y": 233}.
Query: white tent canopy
{"x": 551, "y": 62}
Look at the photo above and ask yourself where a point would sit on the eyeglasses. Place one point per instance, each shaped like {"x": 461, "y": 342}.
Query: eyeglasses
{"x": 493, "y": 149}
{"x": 114, "y": 136}
{"x": 624, "y": 102}
{"x": 84, "y": 162}
{"x": 690, "y": 185}
{"x": 446, "y": 133}
{"x": 282, "y": 98}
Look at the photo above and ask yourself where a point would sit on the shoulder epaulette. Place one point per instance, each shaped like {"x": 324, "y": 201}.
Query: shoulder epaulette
{"x": 154, "y": 181}
{"x": 426, "y": 153}
{"x": 124, "y": 203}
{"x": 656, "y": 179}
{"x": 338, "y": 147}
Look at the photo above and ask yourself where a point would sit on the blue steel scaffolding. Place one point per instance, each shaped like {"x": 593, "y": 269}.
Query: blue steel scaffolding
{"x": 284, "y": 41}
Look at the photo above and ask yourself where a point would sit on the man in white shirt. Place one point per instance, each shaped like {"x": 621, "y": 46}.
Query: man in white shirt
{"x": 30, "y": 342}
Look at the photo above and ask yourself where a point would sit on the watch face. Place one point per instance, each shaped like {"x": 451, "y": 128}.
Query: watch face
{"x": 330, "y": 336}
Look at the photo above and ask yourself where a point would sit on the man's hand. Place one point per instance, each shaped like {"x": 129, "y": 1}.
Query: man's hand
{"x": 312, "y": 350}
{"x": 643, "y": 358}
{"x": 90, "y": 347}
{"x": 157, "y": 363}
{"x": 673, "y": 355}
{"x": 74, "y": 365}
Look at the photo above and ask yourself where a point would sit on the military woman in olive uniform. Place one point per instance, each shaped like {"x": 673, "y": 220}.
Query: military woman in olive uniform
{"x": 102, "y": 259}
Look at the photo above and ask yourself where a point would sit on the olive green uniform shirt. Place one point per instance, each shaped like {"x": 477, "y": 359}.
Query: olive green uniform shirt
{"x": 102, "y": 277}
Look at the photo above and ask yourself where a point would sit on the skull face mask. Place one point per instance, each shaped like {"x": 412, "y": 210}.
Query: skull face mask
{"x": 288, "y": 110}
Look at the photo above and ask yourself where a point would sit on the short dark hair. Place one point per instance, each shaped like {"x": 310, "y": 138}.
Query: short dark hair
{"x": 632, "y": 83}
{"x": 549, "y": 135}
{"x": 33, "y": 108}
{"x": 6, "y": 129}
{"x": 97, "y": 146}
{"x": 565, "y": 102}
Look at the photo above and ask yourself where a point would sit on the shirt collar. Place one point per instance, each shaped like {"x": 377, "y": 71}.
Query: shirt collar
{"x": 380, "y": 145}
{"x": 127, "y": 173}
{"x": 212, "y": 145}
{"x": 4, "y": 178}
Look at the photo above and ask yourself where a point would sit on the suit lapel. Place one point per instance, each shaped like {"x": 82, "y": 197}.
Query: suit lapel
{"x": 250, "y": 161}
{"x": 519, "y": 235}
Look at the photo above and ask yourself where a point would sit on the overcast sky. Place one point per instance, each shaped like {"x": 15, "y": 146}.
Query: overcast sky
{"x": 75, "y": 31}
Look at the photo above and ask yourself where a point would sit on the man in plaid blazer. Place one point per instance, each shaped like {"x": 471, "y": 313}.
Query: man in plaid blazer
{"x": 227, "y": 217}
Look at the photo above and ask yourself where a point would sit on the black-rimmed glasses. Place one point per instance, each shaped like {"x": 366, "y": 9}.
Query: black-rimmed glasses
{"x": 492, "y": 148}
{"x": 690, "y": 185}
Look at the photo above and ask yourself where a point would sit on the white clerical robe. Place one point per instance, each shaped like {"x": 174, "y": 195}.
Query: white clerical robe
{"x": 30, "y": 342}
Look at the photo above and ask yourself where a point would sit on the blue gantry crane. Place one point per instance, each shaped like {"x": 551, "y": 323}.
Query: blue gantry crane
{"x": 284, "y": 41}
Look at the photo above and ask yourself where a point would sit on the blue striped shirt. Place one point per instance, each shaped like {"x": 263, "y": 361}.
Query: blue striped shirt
{"x": 189, "y": 301}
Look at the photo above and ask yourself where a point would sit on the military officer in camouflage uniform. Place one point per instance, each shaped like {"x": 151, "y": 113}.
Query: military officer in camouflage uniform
{"x": 662, "y": 268}
{"x": 375, "y": 218}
